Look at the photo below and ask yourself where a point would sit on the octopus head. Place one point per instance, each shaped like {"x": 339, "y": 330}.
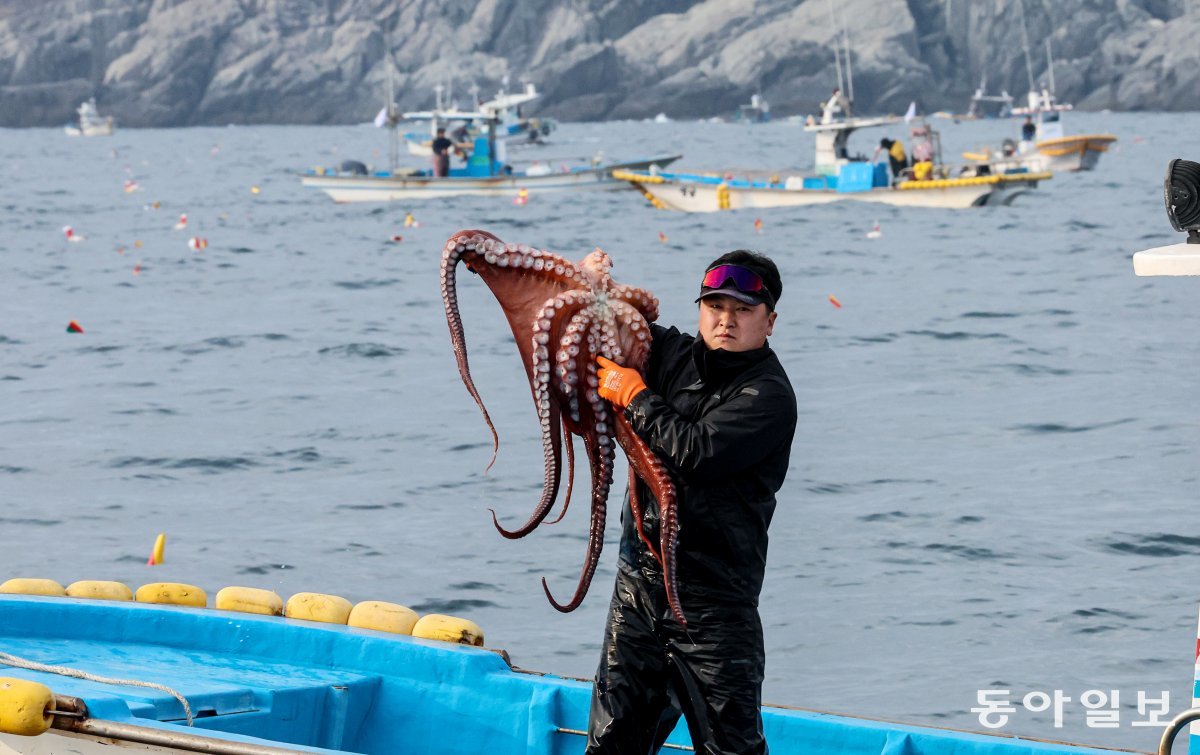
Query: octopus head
{"x": 596, "y": 267}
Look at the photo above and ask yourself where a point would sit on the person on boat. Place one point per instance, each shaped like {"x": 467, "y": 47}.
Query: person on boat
{"x": 922, "y": 170}
{"x": 441, "y": 154}
{"x": 718, "y": 410}
{"x": 1028, "y": 130}
{"x": 895, "y": 153}
{"x": 837, "y": 108}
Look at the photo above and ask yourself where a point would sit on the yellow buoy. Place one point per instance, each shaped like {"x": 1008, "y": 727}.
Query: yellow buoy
{"x": 156, "y": 553}
{"x": 384, "y": 617}
{"x": 24, "y": 706}
{"x": 99, "y": 590}
{"x": 249, "y": 600}
{"x": 21, "y": 586}
{"x": 172, "y": 593}
{"x": 437, "y": 626}
{"x": 314, "y": 606}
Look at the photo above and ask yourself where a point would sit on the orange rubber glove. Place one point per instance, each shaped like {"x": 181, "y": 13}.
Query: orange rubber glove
{"x": 618, "y": 384}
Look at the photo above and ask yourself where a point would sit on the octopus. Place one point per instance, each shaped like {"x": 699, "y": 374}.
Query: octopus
{"x": 563, "y": 315}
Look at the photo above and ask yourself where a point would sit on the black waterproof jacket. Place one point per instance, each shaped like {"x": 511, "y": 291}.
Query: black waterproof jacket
{"x": 723, "y": 423}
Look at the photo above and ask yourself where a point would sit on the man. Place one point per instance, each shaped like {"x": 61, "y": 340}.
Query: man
{"x": 1028, "y": 130}
{"x": 718, "y": 410}
{"x": 895, "y": 153}
{"x": 441, "y": 154}
{"x": 836, "y": 108}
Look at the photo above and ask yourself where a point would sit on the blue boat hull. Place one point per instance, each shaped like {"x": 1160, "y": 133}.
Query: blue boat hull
{"x": 326, "y": 688}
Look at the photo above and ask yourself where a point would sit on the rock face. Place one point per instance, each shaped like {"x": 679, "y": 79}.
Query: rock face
{"x": 189, "y": 62}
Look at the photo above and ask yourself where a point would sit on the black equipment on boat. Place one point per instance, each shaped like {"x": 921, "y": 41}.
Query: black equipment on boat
{"x": 1181, "y": 194}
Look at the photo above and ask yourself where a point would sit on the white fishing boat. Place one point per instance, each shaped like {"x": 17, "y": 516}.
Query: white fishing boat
{"x": 838, "y": 177}
{"x": 984, "y": 105}
{"x": 502, "y": 112}
{"x": 483, "y": 176}
{"x": 505, "y": 109}
{"x": 91, "y": 123}
{"x": 1050, "y": 149}
{"x": 758, "y": 111}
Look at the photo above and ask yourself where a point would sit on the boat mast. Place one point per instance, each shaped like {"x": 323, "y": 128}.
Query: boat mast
{"x": 849, "y": 72}
{"x": 1050, "y": 64}
{"x": 1025, "y": 45}
{"x": 837, "y": 57}
{"x": 393, "y": 140}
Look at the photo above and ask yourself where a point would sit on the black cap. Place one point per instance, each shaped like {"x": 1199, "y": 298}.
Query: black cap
{"x": 761, "y": 264}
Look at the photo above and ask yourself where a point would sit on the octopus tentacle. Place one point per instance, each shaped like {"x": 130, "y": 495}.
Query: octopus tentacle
{"x": 572, "y": 353}
{"x": 640, "y": 298}
{"x": 651, "y": 469}
{"x": 458, "y": 245}
{"x": 549, "y": 320}
{"x": 602, "y": 453}
{"x": 635, "y": 510}
{"x": 569, "y": 447}
{"x": 634, "y": 333}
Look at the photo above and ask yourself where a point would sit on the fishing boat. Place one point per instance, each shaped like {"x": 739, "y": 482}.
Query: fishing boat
{"x": 502, "y": 112}
{"x": 758, "y": 111}
{"x": 984, "y": 105}
{"x": 92, "y": 677}
{"x": 1050, "y": 149}
{"x": 484, "y": 175}
{"x": 505, "y": 110}
{"x": 91, "y": 123}
{"x": 839, "y": 177}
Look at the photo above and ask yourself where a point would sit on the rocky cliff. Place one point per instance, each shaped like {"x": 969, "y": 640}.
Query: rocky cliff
{"x": 187, "y": 62}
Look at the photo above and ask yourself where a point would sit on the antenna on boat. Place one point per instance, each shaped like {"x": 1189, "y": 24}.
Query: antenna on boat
{"x": 849, "y": 72}
{"x": 392, "y": 115}
{"x": 1025, "y": 45}
{"x": 1050, "y": 65}
{"x": 837, "y": 56}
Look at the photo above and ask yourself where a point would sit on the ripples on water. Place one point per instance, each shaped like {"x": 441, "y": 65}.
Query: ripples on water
{"x": 992, "y": 484}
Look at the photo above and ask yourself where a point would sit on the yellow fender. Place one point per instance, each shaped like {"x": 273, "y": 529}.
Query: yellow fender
{"x": 21, "y": 586}
{"x": 249, "y": 600}
{"x": 383, "y": 617}
{"x": 314, "y": 606}
{"x": 437, "y": 626}
{"x": 99, "y": 590}
{"x": 172, "y": 593}
{"x": 24, "y": 707}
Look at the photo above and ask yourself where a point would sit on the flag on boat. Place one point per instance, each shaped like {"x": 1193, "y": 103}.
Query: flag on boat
{"x": 382, "y": 118}
{"x": 911, "y": 112}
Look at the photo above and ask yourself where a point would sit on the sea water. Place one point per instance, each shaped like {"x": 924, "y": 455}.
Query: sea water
{"x": 993, "y": 483}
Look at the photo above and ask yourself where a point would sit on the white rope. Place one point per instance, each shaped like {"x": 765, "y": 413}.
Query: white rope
{"x": 12, "y": 660}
